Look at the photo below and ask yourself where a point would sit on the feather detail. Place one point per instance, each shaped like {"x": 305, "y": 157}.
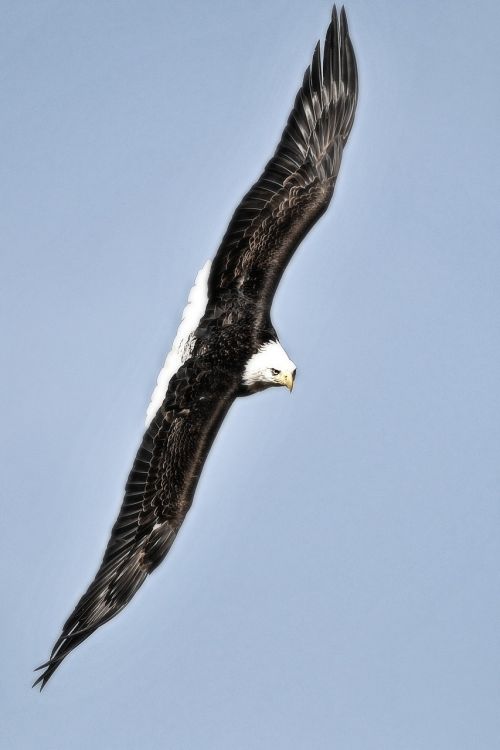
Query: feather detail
{"x": 184, "y": 340}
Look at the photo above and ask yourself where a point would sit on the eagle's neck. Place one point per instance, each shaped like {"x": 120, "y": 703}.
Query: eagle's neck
{"x": 264, "y": 366}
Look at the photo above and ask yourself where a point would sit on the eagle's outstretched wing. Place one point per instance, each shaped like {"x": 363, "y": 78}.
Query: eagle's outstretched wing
{"x": 158, "y": 494}
{"x": 298, "y": 182}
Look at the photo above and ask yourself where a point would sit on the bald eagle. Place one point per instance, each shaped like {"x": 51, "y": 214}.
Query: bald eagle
{"x": 226, "y": 345}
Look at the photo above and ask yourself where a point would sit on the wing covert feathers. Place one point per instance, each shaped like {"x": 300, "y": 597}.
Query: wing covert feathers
{"x": 298, "y": 182}
{"x": 158, "y": 495}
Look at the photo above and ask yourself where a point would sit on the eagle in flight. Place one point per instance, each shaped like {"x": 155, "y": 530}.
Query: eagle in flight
{"x": 226, "y": 345}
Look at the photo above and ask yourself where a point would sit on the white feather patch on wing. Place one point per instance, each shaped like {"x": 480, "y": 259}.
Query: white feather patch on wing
{"x": 184, "y": 339}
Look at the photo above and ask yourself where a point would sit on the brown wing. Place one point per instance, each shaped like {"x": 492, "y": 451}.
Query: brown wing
{"x": 297, "y": 184}
{"x": 158, "y": 495}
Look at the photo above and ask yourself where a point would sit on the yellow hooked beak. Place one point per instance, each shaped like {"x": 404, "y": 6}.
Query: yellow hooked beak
{"x": 287, "y": 379}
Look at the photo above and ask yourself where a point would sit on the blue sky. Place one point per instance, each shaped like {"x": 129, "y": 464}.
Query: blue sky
{"x": 336, "y": 583}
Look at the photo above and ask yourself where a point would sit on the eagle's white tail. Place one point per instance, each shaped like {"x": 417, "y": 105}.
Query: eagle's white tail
{"x": 184, "y": 339}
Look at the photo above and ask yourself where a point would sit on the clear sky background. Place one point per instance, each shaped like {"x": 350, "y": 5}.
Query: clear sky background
{"x": 337, "y": 582}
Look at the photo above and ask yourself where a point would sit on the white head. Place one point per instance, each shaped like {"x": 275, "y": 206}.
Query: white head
{"x": 271, "y": 365}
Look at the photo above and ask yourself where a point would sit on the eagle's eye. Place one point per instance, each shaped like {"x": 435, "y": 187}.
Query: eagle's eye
{"x": 274, "y": 372}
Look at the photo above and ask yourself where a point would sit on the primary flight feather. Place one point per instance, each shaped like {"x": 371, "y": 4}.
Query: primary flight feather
{"x": 226, "y": 345}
